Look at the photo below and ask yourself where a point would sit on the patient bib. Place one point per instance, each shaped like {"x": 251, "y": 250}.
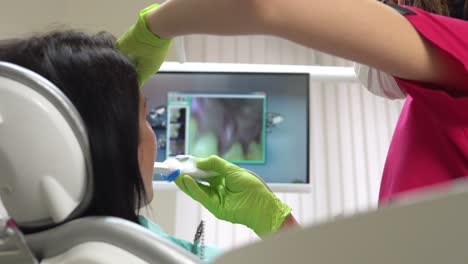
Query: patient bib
{"x": 210, "y": 252}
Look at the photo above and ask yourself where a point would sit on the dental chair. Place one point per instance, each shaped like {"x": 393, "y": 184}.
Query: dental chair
{"x": 46, "y": 178}
{"x": 424, "y": 227}
{"x": 46, "y": 183}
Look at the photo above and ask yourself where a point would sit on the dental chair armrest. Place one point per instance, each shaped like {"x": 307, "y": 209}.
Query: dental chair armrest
{"x": 121, "y": 233}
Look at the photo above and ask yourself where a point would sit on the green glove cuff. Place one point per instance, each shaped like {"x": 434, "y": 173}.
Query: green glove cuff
{"x": 144, "y": 48}
{"x": 270, "y": 224}
{"x": 144, "y": 35}
{"x": 281, "y": 214}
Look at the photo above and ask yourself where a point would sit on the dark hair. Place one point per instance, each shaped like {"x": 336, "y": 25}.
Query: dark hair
{"x": 102, "y": 84}
{"x": 439, "y": 7}
{"x": 452, "y": 8}
{"x": 458, "y": 8}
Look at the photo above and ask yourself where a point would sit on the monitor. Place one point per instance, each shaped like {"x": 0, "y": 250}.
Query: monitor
{"x": 257, "y": 120}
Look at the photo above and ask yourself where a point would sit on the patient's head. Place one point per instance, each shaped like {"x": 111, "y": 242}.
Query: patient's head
{"x": 102, "y": 84}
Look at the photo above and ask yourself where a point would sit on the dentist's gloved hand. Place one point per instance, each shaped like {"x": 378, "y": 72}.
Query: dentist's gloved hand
{"x": 236, "y": 196}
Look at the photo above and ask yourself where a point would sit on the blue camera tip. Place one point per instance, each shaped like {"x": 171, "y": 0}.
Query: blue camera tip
{"x": 171, "y": 177}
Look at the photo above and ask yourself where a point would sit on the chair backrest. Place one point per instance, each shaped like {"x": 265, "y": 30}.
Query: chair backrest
{"x": 107, "y": 240}
{"x": 45, "y": 164}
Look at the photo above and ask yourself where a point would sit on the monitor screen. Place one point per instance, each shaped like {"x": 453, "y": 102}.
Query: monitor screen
{"x": 259, "y": 121}
{"x": 231, "y": 126}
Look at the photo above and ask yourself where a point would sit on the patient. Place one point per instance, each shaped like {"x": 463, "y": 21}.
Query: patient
{"x": 101, "y": 77}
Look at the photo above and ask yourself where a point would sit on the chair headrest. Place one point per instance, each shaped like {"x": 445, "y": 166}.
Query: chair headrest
{"x": 45, "y": 162}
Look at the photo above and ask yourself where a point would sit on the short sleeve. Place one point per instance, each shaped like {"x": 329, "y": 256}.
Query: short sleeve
{"x": 448, "y": 34}
{"x": 378, "y": 82}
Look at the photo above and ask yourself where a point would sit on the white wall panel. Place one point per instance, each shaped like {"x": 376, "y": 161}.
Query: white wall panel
{"x": 346, "y": 144}
{"x": 332, "y": 161}
{"x": 318, "y": 159}
{"x": 254, "y": 49}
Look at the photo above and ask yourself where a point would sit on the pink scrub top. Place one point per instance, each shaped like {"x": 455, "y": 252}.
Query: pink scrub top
{"x": 430, "y": 142}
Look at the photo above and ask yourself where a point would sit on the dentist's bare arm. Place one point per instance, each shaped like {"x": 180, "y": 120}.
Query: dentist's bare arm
{"x": 289, "y": 222}
{"x": 365, "y": 31}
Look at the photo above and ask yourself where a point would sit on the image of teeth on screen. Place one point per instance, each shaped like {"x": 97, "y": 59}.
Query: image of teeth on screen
{"x": 256, "y": 121}
{"x": 230, "y": 126}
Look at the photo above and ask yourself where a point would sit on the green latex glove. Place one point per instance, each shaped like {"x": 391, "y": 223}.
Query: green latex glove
{"x": 144, "y": 48}
{"x": 236, "y": 196}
